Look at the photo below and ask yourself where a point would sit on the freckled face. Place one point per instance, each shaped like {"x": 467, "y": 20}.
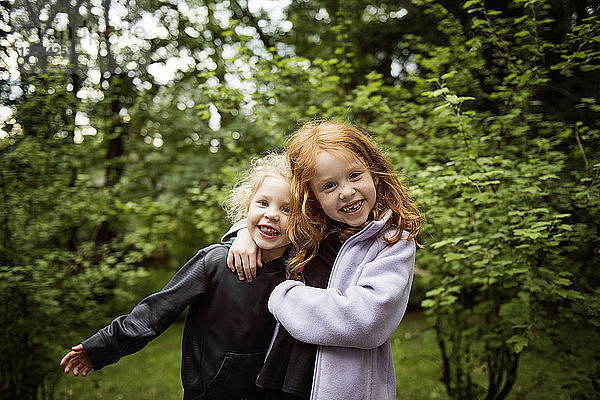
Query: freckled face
{"x": 268, "y": 215}
{"x": 344, "y": 187}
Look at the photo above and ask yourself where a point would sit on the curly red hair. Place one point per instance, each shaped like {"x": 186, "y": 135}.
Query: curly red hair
{"x": 308, "y": 224}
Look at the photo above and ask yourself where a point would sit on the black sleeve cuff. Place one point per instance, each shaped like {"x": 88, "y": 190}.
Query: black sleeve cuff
{"x": 100, "y": 351}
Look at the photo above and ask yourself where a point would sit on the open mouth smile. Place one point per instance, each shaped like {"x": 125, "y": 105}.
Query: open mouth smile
{"x": 269, "y": 232}
{"x": 352, "y": 208}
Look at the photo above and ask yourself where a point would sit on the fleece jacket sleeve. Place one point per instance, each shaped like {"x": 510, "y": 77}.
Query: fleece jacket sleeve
{"x": 364, "y": 315}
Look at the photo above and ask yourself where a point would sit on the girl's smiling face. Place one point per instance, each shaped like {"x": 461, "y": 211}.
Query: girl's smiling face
{"x": 268, "y": 215}
{"x": 344, "y": 187}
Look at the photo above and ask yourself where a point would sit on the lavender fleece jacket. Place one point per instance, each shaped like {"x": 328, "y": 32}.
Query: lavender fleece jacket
{"x": 353, "y": 319}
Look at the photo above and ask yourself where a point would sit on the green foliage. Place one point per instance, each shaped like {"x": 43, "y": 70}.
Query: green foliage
{"x": 49, "y": 207}
{"x": 503, "y": 198}
{"x": 491, "y": 120}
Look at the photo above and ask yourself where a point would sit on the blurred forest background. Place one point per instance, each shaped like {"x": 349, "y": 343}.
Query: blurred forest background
{"x": 124, "y": 123}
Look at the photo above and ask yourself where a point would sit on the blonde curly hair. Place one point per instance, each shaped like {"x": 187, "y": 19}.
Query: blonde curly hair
{"x": 236, "y": 203}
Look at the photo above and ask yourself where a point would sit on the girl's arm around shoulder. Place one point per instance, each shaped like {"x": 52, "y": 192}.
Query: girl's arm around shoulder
{"x": 244, "y": 255}
{"x": 363, "y": 315}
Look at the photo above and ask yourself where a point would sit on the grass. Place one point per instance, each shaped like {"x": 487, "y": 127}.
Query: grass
{"x": 417, "y": 360}
{"x": 154, "y": 372}
{"x": 540, "y": 375}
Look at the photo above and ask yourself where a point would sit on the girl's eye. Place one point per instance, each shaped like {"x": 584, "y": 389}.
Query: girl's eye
{"x": 328, "y": 186}
{"x": 285, "y": 210}
{"x": 263, "y": 203}
{"x": 354, "y": 175}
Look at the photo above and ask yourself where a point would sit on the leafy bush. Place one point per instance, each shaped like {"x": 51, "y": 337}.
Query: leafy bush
{"x": 492, "y": 122}
{"x": 510, "y": 192}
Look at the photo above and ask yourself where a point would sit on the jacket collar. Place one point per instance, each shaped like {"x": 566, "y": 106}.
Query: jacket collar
{"x": 373, "y": 228}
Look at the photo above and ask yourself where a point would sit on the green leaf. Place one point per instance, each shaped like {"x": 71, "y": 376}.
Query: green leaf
{"x": 471, "y": 3}
{"x": 428, "y": 303}
{"x": 448, "y": 75}
{"x": 518, "y": 343}
{"x": 452, "y": 99}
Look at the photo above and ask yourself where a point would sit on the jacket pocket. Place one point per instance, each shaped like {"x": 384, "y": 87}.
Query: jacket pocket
{"x": 236, "y": 376}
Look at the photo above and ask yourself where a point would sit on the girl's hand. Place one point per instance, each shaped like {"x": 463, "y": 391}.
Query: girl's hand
{"x": 244, "y": 255}
{"x": 77, "y": 360}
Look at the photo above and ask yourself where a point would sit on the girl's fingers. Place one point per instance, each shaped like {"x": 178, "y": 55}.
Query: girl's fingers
{"x": 259, "y": 257}
{"x": 76, "y": 361}
{"x": 66, "y": 358}
{"x": 68, "y": 367}
{"x": 69, "y": 359}
{"x": 239, "y": 267}
{"x": 245, "y": 264}
{"x": 248, "y": 268}
{"x": 230, "y": 261}
{"x": 77, "y": 368}
{"x": 252, "y": 266}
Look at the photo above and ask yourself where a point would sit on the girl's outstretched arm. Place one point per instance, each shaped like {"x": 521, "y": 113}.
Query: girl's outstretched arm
{"x": 77, "y": 360}
{"x": 364, "y": 315}
{"x": 129, "y": 333}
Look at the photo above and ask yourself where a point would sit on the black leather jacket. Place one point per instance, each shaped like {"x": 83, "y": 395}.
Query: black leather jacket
{"x": 227, "y": 331}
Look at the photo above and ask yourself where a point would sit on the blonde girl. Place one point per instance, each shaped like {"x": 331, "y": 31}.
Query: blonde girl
{"x": 223, "y": 351}
{"x": 353, "y": 226}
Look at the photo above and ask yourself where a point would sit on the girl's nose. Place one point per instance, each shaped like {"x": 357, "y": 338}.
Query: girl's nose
{"x": 271, "y": 214}
{"x": 347, "y": 191}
